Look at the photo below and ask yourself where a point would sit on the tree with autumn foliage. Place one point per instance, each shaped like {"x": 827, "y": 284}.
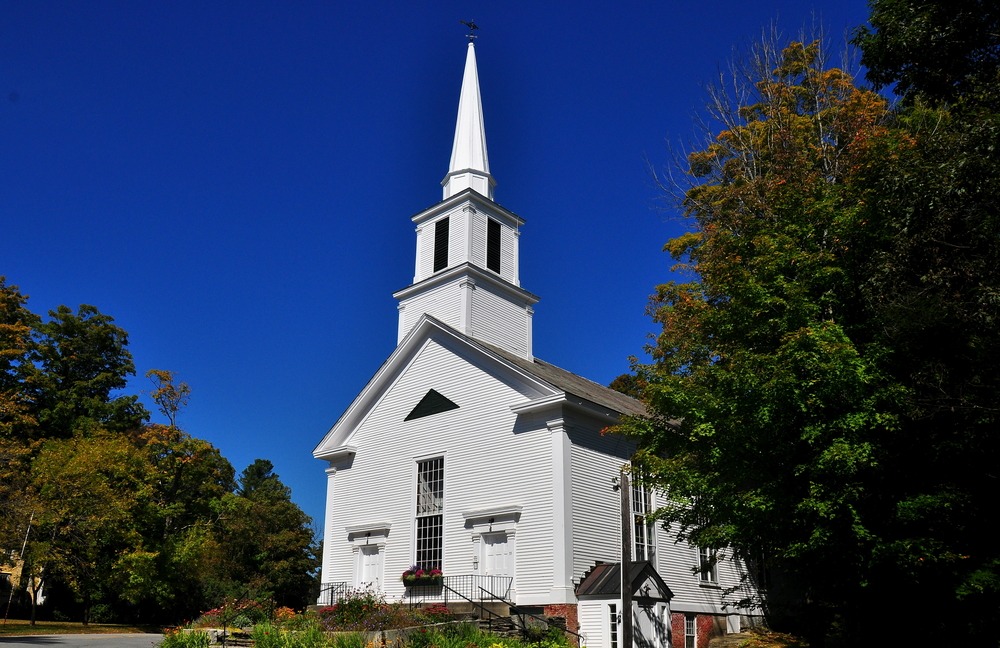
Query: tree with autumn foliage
{"x": 124, "y": 519}
{"x": 824, "y": 389}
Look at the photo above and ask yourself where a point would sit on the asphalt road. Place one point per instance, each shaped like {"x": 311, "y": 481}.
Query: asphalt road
{"x": 84, "y": 641}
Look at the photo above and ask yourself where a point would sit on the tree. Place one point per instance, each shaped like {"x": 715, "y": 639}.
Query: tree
{"x": 169, "y": 398}
{"x": 938, "y": 50}
{"x": 16, "y": 325}
{"x": 186, "y": 478}
{"x": 264, "y": 545}
{"x": 82, "y": 359}
{"x": 824, "y": 394}
{"x": 88, "y": 492}
{"x": 763, "y": 404}
{"x": 141, "y": 522}
{"x": 16, "y": 416}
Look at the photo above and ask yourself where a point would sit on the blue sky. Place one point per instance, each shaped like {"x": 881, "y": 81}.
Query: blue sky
{"x": 233, "y": 181}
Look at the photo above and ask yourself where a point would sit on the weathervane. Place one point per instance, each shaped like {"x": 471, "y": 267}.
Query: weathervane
{"x": 471, "y": 24}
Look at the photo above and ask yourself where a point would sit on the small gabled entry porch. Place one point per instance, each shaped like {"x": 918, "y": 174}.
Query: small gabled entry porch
{"x": 600, "y": 612}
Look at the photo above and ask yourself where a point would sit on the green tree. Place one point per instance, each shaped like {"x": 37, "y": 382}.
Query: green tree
{"x": 87, "y": 493}
{"x": 16, "y": 326}
{"x": 16, "y": 416}
{"x": 825, "y": 394}
{"x": 938, "y": 50}
{"x": 763, "y": 404}
{"x": 82, "y": 361}
{"x": 185, "y": 477}
{"x": 143, "y": 520}
{"x": 264, "y": 545}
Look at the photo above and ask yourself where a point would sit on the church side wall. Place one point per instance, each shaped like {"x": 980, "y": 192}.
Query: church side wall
{"x": 491, "y": 460}
{"x": 677, "y": 563}
{"x": 596, "y": 510}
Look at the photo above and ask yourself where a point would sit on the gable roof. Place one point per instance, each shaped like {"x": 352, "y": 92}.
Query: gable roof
{"x": 605, "y": 581}
{"x": 572, "y": 383}
{"x": 547, "y": 378}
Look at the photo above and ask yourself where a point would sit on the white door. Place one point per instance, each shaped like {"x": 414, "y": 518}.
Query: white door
{"x": 370, "y": 566}
{"x": 498, "y": 555}
{"x": 644, "y": 626}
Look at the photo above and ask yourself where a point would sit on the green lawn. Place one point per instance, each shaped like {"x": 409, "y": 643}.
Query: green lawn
{"x": 21, "y": 627}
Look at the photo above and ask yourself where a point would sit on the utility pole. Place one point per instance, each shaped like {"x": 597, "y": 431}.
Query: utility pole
{"x": 626, "y": 566}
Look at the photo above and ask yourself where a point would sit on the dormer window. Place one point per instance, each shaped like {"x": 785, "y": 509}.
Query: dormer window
{"x": 441, "y": 244}
{"x": 493, "y": 245}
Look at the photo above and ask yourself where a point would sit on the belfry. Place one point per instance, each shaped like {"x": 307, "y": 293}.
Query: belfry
{"x": 466, "y": 271}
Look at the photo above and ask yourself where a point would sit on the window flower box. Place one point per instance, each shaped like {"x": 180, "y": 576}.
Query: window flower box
{"x": 417, "y": 576}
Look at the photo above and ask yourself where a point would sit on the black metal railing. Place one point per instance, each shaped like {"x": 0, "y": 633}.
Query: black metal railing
{"x": 466, "y": 587}
{"x": 330, "y": 593}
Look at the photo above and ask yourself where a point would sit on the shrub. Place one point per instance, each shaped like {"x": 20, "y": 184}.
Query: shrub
{"x": 265, "y": 635}
{"x": 349, "y": 640}
{"x": 239, "y": 613}
{"x": 364, "y": 610}
{"x": 180, "y": 639}
{"x": 435, "y": 613}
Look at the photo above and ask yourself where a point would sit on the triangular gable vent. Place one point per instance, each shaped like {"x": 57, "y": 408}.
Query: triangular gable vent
{"x": 431, "y": 403}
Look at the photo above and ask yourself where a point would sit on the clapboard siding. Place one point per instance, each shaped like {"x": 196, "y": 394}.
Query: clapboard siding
{"x": 489, "y": 461}
{"x": 498, "y": 320}
{"x": 508, "y": 246}
{"x": 595, "y": 510}
{"x": 596, "y": 460}
{"x": 677, "y": 563}
{"x": 442, "y": 302}
{"x": 466, "y": 241}
{"x": 594, "y": 624}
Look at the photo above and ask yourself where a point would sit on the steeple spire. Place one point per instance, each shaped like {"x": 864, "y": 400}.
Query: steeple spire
{"x": 466, "y": 271}
{"x": 470, "y": 165}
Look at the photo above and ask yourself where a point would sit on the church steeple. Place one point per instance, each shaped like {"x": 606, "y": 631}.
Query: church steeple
{"x": 467, "y": 271}
{"x": 470, "y": 165}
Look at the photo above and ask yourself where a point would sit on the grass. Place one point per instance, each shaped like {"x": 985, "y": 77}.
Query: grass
{"x": 15, "y": 627}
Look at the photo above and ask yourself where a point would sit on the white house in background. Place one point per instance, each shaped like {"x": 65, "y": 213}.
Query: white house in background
{"x": 467, "y": 454}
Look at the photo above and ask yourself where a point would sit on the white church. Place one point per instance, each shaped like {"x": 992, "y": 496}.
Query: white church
{"x": 481, "y": 471}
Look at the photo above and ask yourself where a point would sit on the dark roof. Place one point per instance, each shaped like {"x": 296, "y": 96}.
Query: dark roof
{"x": 572, "y": 383}
{"x": 605, "y": 579}
{"x": 559, "y": 378}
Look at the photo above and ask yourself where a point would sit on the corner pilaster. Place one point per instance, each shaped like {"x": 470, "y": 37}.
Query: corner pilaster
{"x": 562, "y": 513}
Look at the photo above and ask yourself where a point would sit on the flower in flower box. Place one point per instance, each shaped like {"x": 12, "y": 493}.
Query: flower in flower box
{"x": 417, "y": 575}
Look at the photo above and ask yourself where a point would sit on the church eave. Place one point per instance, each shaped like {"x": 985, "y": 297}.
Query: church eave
{"x": 477, "y": 274}
{"x": 470, "y": 195}
{"x": 565, "y": 400}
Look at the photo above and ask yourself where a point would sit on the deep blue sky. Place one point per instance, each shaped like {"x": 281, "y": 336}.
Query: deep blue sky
{"x": 233, "y": 181}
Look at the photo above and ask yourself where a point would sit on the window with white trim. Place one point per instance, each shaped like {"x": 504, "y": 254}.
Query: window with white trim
{"x": 690, "y": 631}
{"x": 643, "y": 527}
{"x": 429, "y": 515}
{"x": 708, "y": 565}
{"x": 613, "y": 621}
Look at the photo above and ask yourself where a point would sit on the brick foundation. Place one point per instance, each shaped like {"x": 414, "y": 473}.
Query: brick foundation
{"x": 568, "y": 612}
{"x": 706, "y": 627}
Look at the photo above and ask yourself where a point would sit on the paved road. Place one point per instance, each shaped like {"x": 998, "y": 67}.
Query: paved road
{"x": 84, "y": 641}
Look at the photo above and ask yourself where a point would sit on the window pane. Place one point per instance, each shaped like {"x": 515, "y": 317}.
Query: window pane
{"x": 429, "y": 521}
